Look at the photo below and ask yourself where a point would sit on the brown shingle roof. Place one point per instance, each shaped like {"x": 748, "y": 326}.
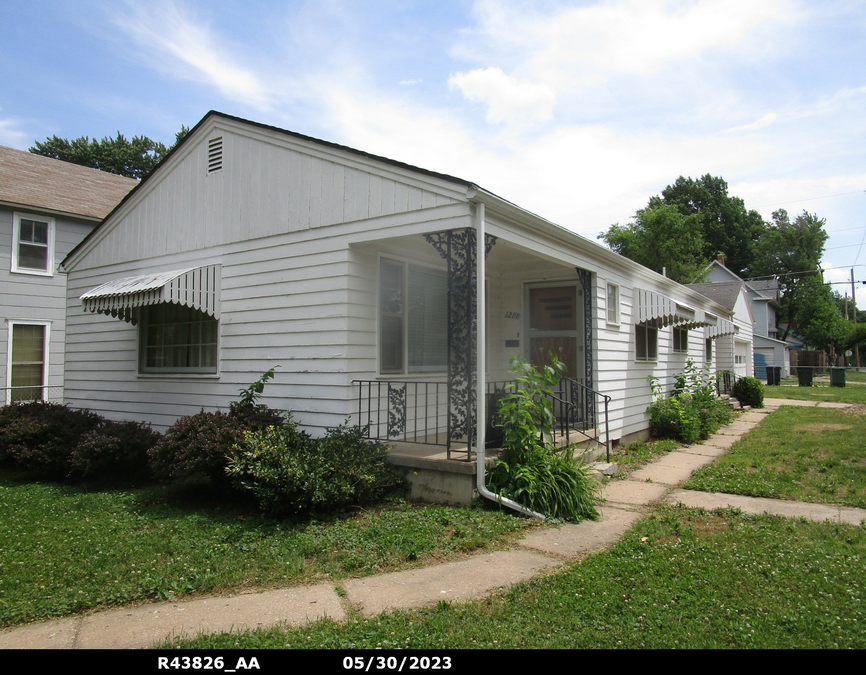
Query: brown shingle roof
{"x": 45, "y": 183}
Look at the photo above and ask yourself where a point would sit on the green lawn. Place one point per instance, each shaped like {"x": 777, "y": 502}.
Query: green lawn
{"x": 820, "y": 392}
{"x": 680, "y": 578}
{"x": 804, "y": 454}
{"x": 65, "y": 550}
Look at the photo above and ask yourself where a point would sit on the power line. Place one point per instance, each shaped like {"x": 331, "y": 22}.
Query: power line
{"x": 808, "y": 199}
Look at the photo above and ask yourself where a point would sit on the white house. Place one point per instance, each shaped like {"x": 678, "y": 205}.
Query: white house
{"x": 251, "y": 247}
{"x": 46, "y": 208}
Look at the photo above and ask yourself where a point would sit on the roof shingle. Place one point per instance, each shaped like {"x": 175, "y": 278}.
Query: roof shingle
{"x": 45, "y": 183}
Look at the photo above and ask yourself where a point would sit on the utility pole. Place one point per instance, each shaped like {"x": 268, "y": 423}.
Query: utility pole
{"x": 854, "y": 304}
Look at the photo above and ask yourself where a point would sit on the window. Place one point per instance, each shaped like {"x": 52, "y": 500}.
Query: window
{"x": 612, "y": 303}
{"x": 646, "y": 341}
{"x": 681, "y": 339}
{"x": 708, "y": 350}
{"x": 32, "y": 244}
{"x": 28, "y": 360}
{"x": 413, "y": 318}
{"x": 177, "y": 339}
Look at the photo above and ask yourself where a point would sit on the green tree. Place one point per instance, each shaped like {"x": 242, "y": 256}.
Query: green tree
{"x": 712, "y": 221}
{"x": 727, "y": 226}
{"x": 791, "y": 251}
{"x": 818, "y": 318}
{"x": 661, "y": 237}
{"x": 134, "y": 159}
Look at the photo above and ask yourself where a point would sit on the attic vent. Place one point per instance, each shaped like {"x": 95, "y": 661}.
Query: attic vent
{"x": 215, "y": 154}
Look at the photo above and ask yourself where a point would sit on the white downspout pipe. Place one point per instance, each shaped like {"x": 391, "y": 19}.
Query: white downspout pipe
{"x": 481, "y": 375}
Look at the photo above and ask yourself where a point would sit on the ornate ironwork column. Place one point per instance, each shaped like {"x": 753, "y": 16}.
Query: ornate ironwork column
{"x": 585, "y": 277}
{"x": 457, "y": 248}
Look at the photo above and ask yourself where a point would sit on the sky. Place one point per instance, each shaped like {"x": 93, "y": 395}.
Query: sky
{"x": 577, "y": 111}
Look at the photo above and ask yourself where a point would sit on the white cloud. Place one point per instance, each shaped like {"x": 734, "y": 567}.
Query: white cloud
{"x": 410, "y": 82}
{"x": 507, "y": 98}
{"x": 193, "y": 52}
{"x": 11, "y": 136}
{"x": 574, "y": 47}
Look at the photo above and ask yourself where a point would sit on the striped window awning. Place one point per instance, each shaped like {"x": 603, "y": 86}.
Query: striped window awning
{"x": 661, "y": 310}
{"x": 719, "y": 327}
{"x": 197, "y": 287}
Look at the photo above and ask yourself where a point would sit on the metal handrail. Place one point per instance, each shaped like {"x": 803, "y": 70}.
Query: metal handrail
{"x": 590, "y": 418}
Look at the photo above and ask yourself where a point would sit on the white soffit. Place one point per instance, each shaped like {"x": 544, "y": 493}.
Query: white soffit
{"x": 197, "y": 287}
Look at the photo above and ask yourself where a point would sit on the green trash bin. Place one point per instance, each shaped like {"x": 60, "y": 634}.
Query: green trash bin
{"x": 804, "y": 376}
{"x": 837, "y": 376}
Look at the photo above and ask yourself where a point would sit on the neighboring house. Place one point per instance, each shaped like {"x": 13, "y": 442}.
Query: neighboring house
{"x": 763, "y": 296}
{"x": 251, "y": 247}
{"x": 46, "y": 208}
{"x": 733, "y": 296}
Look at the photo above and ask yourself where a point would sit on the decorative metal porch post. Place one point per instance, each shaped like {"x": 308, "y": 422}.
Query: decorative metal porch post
{"x": 457, "y": 248}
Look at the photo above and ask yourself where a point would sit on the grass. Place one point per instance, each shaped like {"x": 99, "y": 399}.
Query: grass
{"x": 638, "y": 453}
{"x": 681, "y": 578}
{"x": 803, "y": 454}
{"x": 819, "y": 392}
{"x": 67, "y": 550}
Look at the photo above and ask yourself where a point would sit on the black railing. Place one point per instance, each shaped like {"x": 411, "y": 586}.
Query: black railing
{"x": 410, "y": 412}
{"x": 417, "y": 412}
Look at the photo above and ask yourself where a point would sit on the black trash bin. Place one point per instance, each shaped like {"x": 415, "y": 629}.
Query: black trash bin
{"x": 837, "y": 376}
{"x": 804, "y": 376}
{"x": 774, "y": 375}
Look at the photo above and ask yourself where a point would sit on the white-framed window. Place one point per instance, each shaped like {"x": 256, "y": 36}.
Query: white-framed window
{"x": 646, "y": 341}
{"x": 32, "y": 244}
{"x": 27, "y": 360}
{"x": 413, "y": 318}
{"x": 612, "y": 303}
{"x": 177, "y": 339}
{"x": 681, "y": 339}
{"x": 708, "y": 350}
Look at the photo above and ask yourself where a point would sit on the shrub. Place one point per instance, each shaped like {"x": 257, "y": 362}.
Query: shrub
{"x": 556, "y": 485}
{"x": 291, "y": 473}
{"x": 39, "y": 437}
{"x": 749, "y": 391}
{"x": 116, "y": 451}
{"x": 531, "y": 471}
{"x": 197, "y": 446}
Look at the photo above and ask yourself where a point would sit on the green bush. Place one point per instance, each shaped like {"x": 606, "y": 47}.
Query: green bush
{"x": 197, "y": 446}
{"x": 749, "y": 391}
{"x": 556, "y": 485}
{"x": 531, "y": 471}
{"x": 39, "y": 437}
{"x": 692, "y": 412}
{"x": 115, "y": 452}
{"x": 291, "y": 473}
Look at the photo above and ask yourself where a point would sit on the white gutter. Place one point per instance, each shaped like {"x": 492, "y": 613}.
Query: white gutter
{"x": 480, "y": 377}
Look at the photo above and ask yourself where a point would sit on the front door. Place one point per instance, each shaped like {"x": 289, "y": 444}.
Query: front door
{"x": 555, "y": 325}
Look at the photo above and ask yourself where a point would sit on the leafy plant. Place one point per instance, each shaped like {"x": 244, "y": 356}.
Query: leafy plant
{"x": 115, "y": 451}
{"x": 692, "y": 412}
{"x": 526, "y": 412}
{"x": 749, "y": 391}
{"x": 531, "y": 470}
{"x": 291, "y": 473}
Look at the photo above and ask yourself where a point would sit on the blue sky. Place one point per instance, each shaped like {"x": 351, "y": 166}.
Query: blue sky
{"x": 577, "y": 111}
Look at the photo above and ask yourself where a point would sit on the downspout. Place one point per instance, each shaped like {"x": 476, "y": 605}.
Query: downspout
{"x": 480, "y": 377}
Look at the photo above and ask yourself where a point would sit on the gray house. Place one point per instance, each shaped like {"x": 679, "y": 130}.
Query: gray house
{"x": 251, "y": 247}
{"x": 46, "y": 208}
{"x": 763, "y": 298}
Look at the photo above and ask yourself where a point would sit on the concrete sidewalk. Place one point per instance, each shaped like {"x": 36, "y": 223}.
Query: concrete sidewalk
{"x": 626, "y": 502}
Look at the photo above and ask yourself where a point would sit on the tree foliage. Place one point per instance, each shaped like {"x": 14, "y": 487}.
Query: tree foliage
{"x": 660, "y": 236}
{"x": 728, "y": 227}
{"x": 134, "y": 159}
{"x": 819, "y": 321}
{"x": 791, "y": 251}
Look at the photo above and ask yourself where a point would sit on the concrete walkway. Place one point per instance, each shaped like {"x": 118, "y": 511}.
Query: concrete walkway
{"x": 626, "y": 502}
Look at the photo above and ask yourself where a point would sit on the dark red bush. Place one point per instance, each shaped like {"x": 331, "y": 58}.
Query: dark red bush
{"x": 114, "y": 452}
